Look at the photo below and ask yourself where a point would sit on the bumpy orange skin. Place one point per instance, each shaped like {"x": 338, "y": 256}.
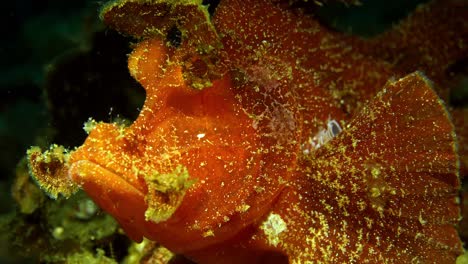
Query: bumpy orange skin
{"x": 210, "y": 133}
{"x": 250, "y": 164}
{"x": 384, "y": 190}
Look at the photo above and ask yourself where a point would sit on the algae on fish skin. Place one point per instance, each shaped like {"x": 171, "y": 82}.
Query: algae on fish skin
{"x": 50, "y": 170}
{"x": 165, "y": 193}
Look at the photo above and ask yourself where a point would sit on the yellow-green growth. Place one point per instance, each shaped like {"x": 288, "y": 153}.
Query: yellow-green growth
{"x": 165, "y": 193}
{"x": 89, "y": 125}
{"x": 138, "y": 251}
{"x": 50, "y": 170}
{"x": 273, "y": 226}
{"x": 463, "y": 259}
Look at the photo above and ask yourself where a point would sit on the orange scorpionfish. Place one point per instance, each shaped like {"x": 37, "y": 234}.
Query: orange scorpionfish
{"x": 267, "y": 138}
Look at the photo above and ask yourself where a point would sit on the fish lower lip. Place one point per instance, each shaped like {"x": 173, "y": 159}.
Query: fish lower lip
{"x": 84, "y": 172}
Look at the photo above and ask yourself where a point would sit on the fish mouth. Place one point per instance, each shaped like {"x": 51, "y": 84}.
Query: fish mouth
{"x": 113, "y": 193}
{"x": 84, "y": 172}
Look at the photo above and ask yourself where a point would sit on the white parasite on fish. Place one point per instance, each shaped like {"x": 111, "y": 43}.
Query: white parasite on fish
{"x": 322, "y": 137}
